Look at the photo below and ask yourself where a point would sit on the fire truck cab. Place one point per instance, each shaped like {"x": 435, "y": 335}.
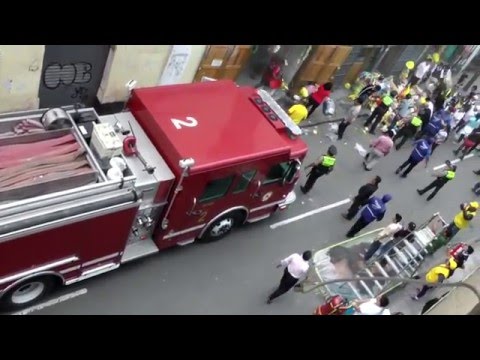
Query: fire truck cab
{"x": 200, "y": 159}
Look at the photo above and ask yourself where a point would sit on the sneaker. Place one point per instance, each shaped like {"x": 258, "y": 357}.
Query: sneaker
{"x": 414, "y": 298}
{"x": 419, "y": 192}
{"x": 398, "y": 171}
{"x": 403, "y": 176}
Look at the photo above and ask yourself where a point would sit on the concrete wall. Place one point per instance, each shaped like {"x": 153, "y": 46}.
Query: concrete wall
{"x": 143, "y": 63}
{"x": 20, "y": 70}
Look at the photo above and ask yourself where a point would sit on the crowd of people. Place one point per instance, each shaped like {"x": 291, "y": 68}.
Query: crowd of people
{"x": 422, "y": 111}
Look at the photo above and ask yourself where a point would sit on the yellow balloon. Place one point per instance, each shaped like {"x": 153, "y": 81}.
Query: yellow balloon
{"x": 436, "y": 57}
{"x": 410, "y": 65}
{"x": 423, "y": 100}
{"x": 348, "y": 86}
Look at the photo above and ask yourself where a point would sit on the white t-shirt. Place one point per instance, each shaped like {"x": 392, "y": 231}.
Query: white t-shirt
{"x": 371, "y": 308}
{"x": 297, "y": 267}
{"x": 389, "y": 230}
{"x": 421, "y": 70}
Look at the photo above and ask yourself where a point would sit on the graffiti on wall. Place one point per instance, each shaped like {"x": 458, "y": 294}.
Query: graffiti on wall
{"x": 73, "y": 75}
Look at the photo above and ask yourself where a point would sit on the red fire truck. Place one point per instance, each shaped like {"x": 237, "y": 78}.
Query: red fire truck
{"x": 183, "y": 163}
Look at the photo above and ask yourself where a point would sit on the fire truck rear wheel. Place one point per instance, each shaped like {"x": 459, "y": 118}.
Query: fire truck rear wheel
{"x": 27, "y": 292}
{"x": 222, "y": 226}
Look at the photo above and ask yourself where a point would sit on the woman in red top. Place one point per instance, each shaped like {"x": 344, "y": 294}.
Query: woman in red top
{"x": 318, "y": 97}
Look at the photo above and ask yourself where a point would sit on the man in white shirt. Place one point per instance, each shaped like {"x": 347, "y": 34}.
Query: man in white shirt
{"x": 420, "y": 72}
{"x": 386, "y": 232}
{"x": 375, "y": 306}
{"x": 296, "y": 268}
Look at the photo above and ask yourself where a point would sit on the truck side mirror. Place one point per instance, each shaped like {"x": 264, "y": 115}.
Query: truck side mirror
{"x": 293, "y": 170}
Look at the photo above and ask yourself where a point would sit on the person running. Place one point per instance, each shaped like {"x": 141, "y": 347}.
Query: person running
{"x": 351, "y": 116}
{"x": 469, "y": 144}
{"x": 380, "y": 147}
{"x": 421, "y": 151}
{"x": 373, "y": 211}
{"x": 437, "y": 275}
{"x": 364, "y": 193}
{"x": 322, "y": 166}
{"x": 318, "y": 97}
{"x": 296, "y": 267}
{"x": 441, "y": 179}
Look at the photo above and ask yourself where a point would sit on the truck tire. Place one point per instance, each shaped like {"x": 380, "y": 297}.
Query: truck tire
{"x": 222, "y": 226}
{"x": 27, "y": 292}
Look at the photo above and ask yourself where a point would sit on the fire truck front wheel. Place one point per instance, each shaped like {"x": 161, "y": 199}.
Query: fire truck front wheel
{"x": 27, "y": 292}
{"x": 222, "y": 226}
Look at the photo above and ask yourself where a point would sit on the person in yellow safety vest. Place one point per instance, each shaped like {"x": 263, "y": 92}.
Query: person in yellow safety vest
{"x": 322, "y": 166}
{"x": 436, "y": 275}
{"x": 441, "y": 179}
{"x": 407, "y": 131}
{"x": 462, "y": 219}
{"x": 380, "y": 111}
{"x": 298, "y": 112}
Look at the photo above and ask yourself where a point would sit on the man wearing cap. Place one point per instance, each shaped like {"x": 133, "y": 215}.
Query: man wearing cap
{"x": 422, "y": 150}
{"x": 322, "y": 166}
{"x": 373, "y": 211}
{"x": 441, "y": 179}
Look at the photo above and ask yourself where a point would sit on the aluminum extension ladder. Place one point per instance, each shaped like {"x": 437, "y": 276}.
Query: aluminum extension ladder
{"x": 401, "y": 260}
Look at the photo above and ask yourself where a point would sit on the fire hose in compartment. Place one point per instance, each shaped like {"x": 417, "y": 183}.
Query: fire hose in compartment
{"x": 64, "y": 211}
{"x": 43, "y": 166}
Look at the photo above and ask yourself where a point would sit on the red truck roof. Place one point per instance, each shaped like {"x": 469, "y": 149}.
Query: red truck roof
{"x": 215, "y": 123}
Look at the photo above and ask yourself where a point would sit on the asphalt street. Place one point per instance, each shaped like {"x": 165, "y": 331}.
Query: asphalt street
{"x": 236, "y": 274}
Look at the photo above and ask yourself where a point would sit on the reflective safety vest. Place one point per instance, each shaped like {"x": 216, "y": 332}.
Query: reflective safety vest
{"x": 387, "y": 100}
{"x": 416, "y": 121}
{"x": 432, "y": 275}
{"x": 328, "y": 161}
{"x": 450, "y": 175}
{"x": 460, "y": 221}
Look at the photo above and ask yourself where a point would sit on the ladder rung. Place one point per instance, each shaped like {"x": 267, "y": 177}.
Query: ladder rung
{"x": 414, "y": 251}
{"x": 381, "y": 269}
{"x": 403, "y": 259}
{"x": 367, "y": 289}
{"x": 355, "y": 291}
{"x": 412, "y": 258}
{"x": 377, "y": 283}
{"x": 392, "y": 264}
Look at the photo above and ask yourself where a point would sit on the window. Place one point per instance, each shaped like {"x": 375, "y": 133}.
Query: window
{"x": 244, "y": 180}
{"x": 276, "y": 173}
{"x": 215, "y": 189}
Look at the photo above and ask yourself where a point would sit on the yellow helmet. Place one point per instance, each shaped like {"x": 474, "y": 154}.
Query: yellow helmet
{"x": 452, "y": 264}
{"x": 303, "y": 92}
{"x": 474, "y": 204}
{"x": 423, "y": 100}
{"x": 410, "y": 65}
{"x": 348, "y": 85}
{"x": 436, "y": 58}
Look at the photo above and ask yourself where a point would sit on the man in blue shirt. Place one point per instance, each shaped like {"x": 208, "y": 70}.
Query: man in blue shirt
{"x": 373, "y": 211}
{"x": 422, "y": 150}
